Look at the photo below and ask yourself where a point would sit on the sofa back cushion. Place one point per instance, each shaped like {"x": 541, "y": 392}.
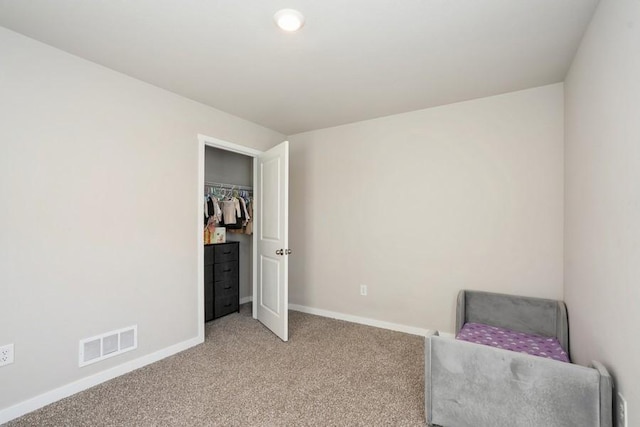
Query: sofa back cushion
{"x": 538, "y": 316}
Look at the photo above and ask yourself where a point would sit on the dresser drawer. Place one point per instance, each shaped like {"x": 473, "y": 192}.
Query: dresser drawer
{"x": 225, "y": 253}
{"x": 226, "y": 305}
{"x": 225, "y": 271}
{"x": 226, "y": 288}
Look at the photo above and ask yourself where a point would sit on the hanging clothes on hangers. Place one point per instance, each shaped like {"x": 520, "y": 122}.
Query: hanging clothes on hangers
{"x": 217, "y": 212}
{"x": 230, "y": 207}
{"x": 243, "y": 203}
{"x": 249, "y": 227}
{"x": 228, "y": 212}
{"x": 238, "y": 215}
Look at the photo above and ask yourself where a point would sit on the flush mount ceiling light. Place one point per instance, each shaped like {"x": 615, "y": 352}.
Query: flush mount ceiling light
{"x": 289, "y": 19}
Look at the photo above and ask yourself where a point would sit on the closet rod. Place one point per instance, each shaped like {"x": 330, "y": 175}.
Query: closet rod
{"x": 227, "y": 186}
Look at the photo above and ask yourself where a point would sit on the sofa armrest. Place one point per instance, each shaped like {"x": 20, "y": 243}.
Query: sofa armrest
{"x": 461, "y": 311}
{"x": 427, "y": 372}
{"x": 606, "y": 394}
{"x": 562, "y": 326}
{"x": 468, "y": 384}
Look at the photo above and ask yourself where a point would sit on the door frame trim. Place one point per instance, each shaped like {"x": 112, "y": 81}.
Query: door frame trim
{"x": 208, "y": 141}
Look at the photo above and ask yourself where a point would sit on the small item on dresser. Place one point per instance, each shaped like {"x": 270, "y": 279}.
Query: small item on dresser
{"x": 209, "y": 230}
{"x": 219, "y": 235}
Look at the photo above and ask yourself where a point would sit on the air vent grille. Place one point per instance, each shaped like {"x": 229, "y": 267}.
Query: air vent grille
{"x": 107, "y": 345}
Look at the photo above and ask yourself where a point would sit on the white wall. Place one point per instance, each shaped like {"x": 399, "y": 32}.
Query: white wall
{"x": 420, "y": 205}
{"x": 602, "y": 226}
{"x": 98, "y": 225}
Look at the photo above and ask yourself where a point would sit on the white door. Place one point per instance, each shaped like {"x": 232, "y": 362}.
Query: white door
{"x": 273, "y": 240}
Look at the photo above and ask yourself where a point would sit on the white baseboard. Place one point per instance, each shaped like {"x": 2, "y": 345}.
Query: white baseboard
{"x": 54, "y": 395}
{"x": 361, "y": 320}
{"x": 413, "y": 330}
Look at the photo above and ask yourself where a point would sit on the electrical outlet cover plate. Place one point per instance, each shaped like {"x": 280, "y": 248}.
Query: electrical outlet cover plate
{"x": 6, "y": 354}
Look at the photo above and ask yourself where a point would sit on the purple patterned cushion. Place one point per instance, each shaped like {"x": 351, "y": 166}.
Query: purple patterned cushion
{"x": 507, "y": 339}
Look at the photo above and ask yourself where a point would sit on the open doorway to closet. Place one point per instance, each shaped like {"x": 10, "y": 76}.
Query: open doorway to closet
{"x": 229, "y": 205}
{"x": 260, "y": 255}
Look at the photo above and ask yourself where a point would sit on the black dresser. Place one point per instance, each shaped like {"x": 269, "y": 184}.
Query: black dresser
{"x": 221, "y": 279}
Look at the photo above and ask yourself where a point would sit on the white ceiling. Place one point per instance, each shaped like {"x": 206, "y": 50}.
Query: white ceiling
{"x": 353, "y": 59}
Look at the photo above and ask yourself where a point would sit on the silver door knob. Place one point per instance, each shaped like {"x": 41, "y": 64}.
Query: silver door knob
{"x": 288, "y": 252}
{"x": 280, "y": 252}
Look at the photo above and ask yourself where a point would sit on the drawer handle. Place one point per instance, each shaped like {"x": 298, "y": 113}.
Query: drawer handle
{"x": 227, "y": 253}
{"x": 226, "y": 287}
{"x": 228, "y": 305}
{"x": 226, "y": 271}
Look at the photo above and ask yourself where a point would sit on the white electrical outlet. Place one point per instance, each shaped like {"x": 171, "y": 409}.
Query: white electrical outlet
{"x": 363, "y": 290}
{"x": 6, "y": 354}
{"x": 621, "y": 411}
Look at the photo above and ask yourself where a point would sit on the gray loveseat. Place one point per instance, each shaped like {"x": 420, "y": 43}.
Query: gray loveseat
{"x": 475, "y": 385}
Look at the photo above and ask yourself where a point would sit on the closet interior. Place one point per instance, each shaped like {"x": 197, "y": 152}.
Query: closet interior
{"x": 228, "y": 229}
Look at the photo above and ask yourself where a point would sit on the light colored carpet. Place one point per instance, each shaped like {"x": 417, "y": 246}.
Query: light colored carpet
{"x": 330, "y": 373}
